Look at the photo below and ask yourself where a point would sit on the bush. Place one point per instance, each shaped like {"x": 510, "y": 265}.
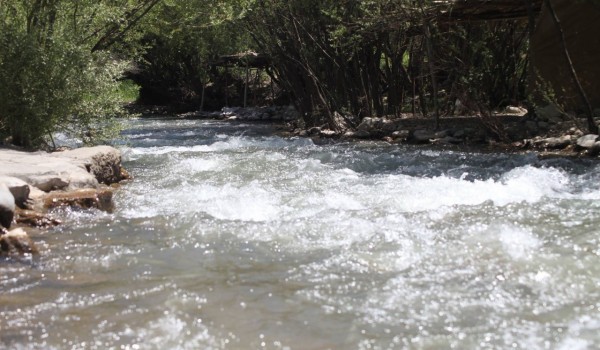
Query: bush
{"x": 52, "y": 86}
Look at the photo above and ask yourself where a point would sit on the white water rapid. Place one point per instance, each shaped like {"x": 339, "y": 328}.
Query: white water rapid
{"x": 232, "y": 238}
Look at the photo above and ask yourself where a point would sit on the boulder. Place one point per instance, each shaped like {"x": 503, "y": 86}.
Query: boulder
{"x": 104, "y": 162}
{"x": 314, "y": 131}
{"x": 575, "y": 132}
{"x": 361, "y": 134}
{"x": 515, "y": 110}
{"x": 19, "y": 189}
{"x": 556, "y": 142}
{"x": 587, "y": 141}
{"x": 229, "y": 111}
{"x": 327, "y": 133}
{"x": 401, "y": 134}
{"x": 390, "y": 126}
{"x": 7, "y": 207}
{"x": 422, "y": 136}
{"x": 80, "y": 168}
{"x": 369, "y": 124}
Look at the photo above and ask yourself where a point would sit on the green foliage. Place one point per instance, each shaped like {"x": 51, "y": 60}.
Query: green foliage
{"x": 185, "y": 37}
{"x": 62, "y": 61}
{"x": 55, "y": 71}
{"x": 129, "y": 91}
{"x": 58, "y": 87}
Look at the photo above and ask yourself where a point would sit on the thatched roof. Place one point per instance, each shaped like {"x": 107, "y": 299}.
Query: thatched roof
{"x": 244, "y": 59}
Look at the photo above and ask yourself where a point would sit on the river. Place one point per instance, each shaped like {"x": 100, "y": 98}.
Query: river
{"x": 233, "y": 238}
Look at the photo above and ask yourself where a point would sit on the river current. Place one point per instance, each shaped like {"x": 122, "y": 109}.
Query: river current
{"x": 232, "y": 238}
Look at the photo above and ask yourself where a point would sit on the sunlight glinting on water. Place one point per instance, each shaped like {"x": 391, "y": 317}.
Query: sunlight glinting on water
{"x": 231, "y": 238}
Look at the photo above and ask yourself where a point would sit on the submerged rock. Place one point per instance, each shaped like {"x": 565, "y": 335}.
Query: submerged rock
{"x": 34, "y": 218}
{"x": 82, "y": 198}
{"x": 17, "y": 242}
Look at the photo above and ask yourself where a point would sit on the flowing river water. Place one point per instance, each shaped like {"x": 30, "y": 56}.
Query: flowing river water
{"x": 232, "y": 238}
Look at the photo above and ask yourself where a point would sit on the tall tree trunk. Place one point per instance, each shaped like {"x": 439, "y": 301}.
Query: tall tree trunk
{"x": 593, "y": 128}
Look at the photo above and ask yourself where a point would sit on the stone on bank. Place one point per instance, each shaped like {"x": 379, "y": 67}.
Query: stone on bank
{"x": 33, "y": 182}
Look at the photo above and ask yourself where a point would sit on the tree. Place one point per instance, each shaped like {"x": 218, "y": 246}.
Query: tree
{"x": 55, "y": 70}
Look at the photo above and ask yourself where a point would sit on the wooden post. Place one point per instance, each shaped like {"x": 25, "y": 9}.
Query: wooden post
{"x": 226, "y": 86}
{"x": 246, "y": 85}
{"x": 272, "y": 90}
{"x": 434, "y": 87}
{"x": 202, "y": 97}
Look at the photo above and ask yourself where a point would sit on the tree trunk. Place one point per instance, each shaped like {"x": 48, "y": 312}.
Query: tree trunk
{"x": 593, "y": 128}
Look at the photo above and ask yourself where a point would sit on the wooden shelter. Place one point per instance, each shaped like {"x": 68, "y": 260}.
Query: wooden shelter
{"x": 564, "y": 54}
{"x": 485, "y": 10}
{"x": 580, "y": 26}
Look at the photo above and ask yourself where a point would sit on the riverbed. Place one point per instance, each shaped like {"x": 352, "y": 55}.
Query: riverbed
{"x": 230, "y": 237}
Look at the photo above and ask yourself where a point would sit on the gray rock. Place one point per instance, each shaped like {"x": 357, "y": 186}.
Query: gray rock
{"x": 349, "y": 134}
{"x": 328, "y": 133}
{"x": 422, "y": 136}
{"x": 555, "y": 142}
{"x": 401, "y": 134}
{"x": 19, "y": 189}
{"x": 515, "y": 110}
{"x": 103, "y": 162}
{"x": 389, "y": 126}
{"x": 368, "y": 124}
{"x": 587, "y": 141}
{"x": 7, "y": 206}
{"x": 575, "y": 131}
{"x": 229, "y": 111}
{"x": 79, "y": 168}
{"x": 47, "y": 182}
{"x": 314, "y": 131}
{"x": 362, "y": 134}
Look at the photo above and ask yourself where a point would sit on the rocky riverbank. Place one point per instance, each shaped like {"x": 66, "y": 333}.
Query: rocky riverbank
{"x": 549, "y": 132}
{"x": 31, "y": 183}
